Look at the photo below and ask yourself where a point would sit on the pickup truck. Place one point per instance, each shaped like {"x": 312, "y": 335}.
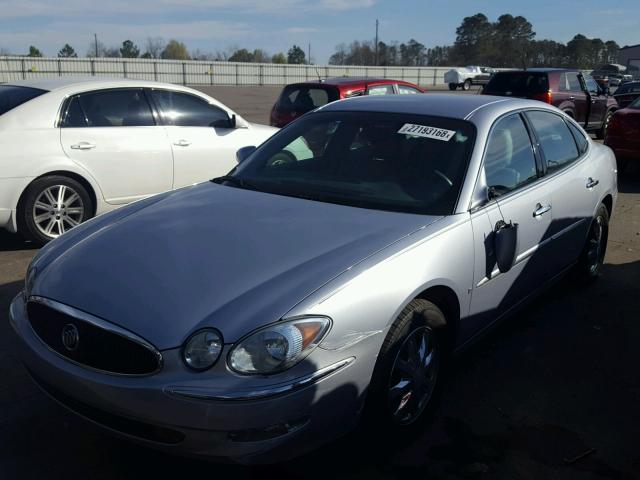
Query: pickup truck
{"x": 465, "y": 77}
{"x": 576, "y": 94}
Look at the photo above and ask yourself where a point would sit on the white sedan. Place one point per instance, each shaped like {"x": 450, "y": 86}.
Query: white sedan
{"x": 75, "y": 148}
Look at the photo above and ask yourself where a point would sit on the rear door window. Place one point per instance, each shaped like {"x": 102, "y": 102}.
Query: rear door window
{"x": 515, "y": 83}
{"x": 125, "y": 107}
{"x": 12, "y": 96}
{"x": 380, "y": 90}
{"x": 555, "y": 139}
{"x": 306, "y": 98}
{"x": 569, "y": 82}
{"x": 407, "y": 90}
{"x": 581, "y": 141}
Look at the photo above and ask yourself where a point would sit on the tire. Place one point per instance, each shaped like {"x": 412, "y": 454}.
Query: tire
{"x": 392, "y": 406}
{"x": 282, "y": 158}
{"x": 40, "y": 224}
{"x": 466, "y": 85}
{"x": 602, "y": 131}
{"x": 592, "y": 256}
{"x": 453, "y": 86}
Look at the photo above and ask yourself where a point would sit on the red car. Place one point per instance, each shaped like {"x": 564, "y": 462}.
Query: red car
{"x": 623, "y": 134}
{"x": 297, "y": 99}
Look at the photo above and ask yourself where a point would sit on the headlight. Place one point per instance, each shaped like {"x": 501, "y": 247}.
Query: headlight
{"x": 202, "y": 349}
{"x": 278, "y": 346}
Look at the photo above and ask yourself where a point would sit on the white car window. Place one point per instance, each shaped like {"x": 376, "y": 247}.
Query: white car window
{"x": 184, "y": 110}
{"x": 380, "y": 90}
{"x": 407, "y": 90}
{"x": 108, "y": 108}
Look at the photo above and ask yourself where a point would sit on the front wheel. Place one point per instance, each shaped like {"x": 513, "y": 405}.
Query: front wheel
{"x": 51, "y": 206}
{"x": 466, "y": 85}
{"x": 592, "y": 256}
{"x": 602, "y": 132}
{"x": 407, "y": 375}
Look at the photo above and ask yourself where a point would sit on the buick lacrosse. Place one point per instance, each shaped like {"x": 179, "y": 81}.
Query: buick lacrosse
{"x": 261, "y": 314}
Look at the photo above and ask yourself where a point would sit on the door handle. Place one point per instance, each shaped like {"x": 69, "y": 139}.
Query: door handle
{"x": 83, "y": 146}
{"x": 540, "y": 210}
{"x": 592, "y": 183}
{"x": 182, "y": 143}
{"x": 572, "y": 97}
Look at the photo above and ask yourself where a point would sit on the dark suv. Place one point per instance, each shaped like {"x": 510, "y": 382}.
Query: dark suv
{"x": 576, "y": 94}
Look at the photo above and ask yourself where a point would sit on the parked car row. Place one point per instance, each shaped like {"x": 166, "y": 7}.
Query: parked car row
{"x": 320, "y": 282}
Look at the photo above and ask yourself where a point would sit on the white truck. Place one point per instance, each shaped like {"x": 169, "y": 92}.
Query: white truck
{"x": 465, "y": 77}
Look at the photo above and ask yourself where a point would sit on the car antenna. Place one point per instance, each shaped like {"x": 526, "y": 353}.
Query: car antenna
{"x": 319, "y": 77}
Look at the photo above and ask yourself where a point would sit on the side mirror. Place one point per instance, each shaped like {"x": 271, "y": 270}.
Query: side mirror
{"x": 244, "y": 153}
{"x": 505, "y": 243}
{"x": 233, "y": 121}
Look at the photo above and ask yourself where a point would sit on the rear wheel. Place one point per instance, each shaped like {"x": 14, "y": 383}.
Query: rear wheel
{"x": 453, "y": 86}
{"x": 407, "y": 376}
{"x": 51, "y": 206}
{"x": 466, "y": 85}
{"x": 595, "y": 247}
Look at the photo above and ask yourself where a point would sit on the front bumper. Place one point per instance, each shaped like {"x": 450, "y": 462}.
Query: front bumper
{"x": 167, "y": 412}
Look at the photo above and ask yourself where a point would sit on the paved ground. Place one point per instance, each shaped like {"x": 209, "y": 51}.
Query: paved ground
{"x": 556, "y": 381}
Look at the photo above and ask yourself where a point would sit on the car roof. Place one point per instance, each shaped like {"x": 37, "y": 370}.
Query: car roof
{"x": 449, "y": 105}
{"x": 57, "y": 83}
{"x": 349, "y": 81}
{"x": 541, "y": 70}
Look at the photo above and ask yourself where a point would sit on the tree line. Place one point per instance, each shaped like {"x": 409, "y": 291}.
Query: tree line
{"x": 508, "y": 42}
{"x": 156, "y": 47}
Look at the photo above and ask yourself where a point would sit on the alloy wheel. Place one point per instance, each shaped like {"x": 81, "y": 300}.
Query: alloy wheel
{"x": 57, "y": 209}
{"x": 413, "y": 376}
{"x": 595, "y": 250}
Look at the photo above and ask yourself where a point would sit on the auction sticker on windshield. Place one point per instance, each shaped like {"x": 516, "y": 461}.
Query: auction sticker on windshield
{"x": 427, "y": 132}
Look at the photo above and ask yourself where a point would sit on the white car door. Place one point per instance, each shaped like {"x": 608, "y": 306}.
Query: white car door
{"x": 113, "y": 135}
{"x": 202, "y": 136}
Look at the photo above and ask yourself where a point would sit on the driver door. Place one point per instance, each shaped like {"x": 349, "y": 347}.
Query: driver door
{"x": 511, "y": 170}
{"x": 598, "y": 106}
{"x": 203, "y": 140}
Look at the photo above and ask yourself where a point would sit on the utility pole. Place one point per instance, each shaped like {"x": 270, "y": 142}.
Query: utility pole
{"x": 95, "y": 37}
{"x": 309, "y": 57}
{"x": 377, "y": 42}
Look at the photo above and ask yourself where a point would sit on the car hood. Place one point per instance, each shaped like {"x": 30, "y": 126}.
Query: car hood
{"x": 210, "y": 255}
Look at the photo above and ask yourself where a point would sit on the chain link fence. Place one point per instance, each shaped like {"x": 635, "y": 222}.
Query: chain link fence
{"x": 204, "y": 73}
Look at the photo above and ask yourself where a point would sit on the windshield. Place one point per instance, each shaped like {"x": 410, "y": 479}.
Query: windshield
{"x": 384, "y": 161}
{"x": 12, "y": 96}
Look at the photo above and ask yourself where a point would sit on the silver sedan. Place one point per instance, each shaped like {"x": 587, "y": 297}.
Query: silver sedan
{"x": 323, "y": 282}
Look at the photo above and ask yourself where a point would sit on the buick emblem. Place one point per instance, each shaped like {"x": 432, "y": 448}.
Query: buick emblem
{"x": 70, "y": 337}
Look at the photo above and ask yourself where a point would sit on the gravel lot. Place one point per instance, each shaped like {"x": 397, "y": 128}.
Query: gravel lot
{"x": 554, "y": 382}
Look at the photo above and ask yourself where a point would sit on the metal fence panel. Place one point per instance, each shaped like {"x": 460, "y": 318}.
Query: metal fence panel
{"x": 204, "y": 72}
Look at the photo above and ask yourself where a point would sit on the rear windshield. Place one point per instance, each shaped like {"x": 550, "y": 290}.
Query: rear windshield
{"x": 301, "y": 98}
{"x": 518, "y": 83}
{"x": 12, "y": 96}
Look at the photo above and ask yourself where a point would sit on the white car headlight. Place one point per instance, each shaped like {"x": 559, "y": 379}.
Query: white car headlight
{"x": 279, "y": 346}
{"x": 202, "y": 349}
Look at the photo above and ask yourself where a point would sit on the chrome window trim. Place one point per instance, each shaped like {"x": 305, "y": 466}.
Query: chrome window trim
{"x": 259, "y": 393}
{"x": 99, "y": 323}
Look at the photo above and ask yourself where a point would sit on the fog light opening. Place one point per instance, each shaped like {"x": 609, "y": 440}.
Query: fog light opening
{"x": 268, "y": 433}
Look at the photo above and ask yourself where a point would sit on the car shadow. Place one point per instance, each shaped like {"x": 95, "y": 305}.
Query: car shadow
{"x": 13, "y": 241}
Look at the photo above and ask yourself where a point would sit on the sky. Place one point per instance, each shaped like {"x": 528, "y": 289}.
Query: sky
{"x": 275, "y": 25}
